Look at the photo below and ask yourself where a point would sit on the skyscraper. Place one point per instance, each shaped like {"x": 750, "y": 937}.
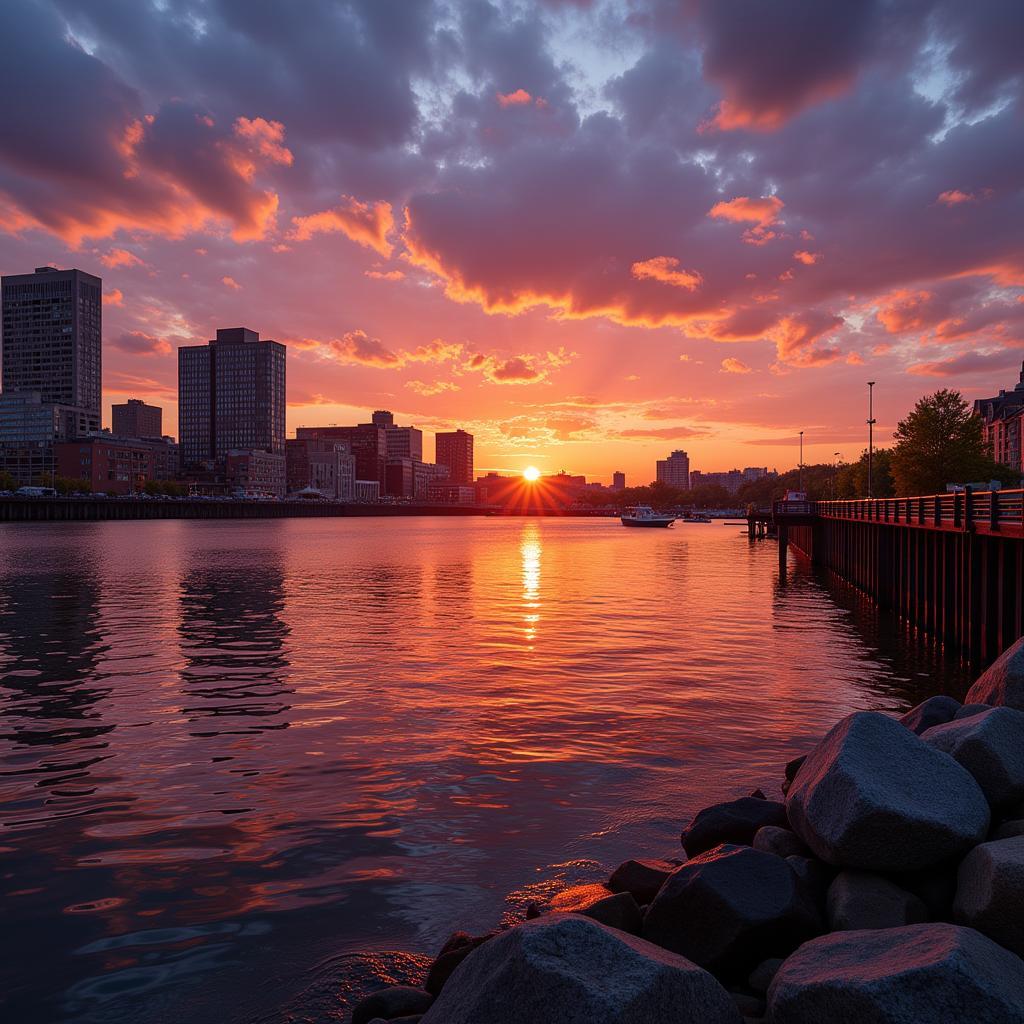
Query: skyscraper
{"x": 618, "y": 481}
{"x": 455, "y": 450}
{"x": 231, "y": 396}
{"x": 675, "y": 470}
{"x": 52, "y": 338}
{"x": 136, "y": 419}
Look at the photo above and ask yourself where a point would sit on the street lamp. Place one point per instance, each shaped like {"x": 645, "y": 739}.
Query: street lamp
{"x": 835, "y": 471}
{"x": 871, "y": 431}
{"x": 801, "y": 466}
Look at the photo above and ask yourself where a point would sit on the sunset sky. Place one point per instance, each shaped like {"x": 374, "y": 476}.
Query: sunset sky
{"x": 588, "y": 232}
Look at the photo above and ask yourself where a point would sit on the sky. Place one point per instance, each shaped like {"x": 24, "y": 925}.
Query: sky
{"x": 588, "y": 232}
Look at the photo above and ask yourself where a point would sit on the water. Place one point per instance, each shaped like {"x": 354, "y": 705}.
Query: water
{"x": 235, "y": 755}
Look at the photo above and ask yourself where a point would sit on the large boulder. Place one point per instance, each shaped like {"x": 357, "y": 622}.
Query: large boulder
{"x": 1008, "y": 829}
{"x": 858, "y": 899}
{"x": 873, "y": 795}
{"x": 920, "y": 974}
{"x": 970, "y": 709}
{"x": 730, "y": 908}
{"x": 1002, "y": 683}
{"x": 396, "y": 1001}
{"x": 641, "y": 878}
{"x": 735, "y": 821}
{"x": 933, "y": 711}
{"x": 990, "y": 745}
{"x": 567, "y": 969}
{"x": 990, "y": 892}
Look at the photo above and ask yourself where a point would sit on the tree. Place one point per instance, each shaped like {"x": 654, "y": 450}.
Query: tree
{"x": 940, "y": 442}
{"x": 852, "y": 480}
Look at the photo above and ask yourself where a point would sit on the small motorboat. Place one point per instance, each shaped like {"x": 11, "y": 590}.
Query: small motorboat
{"x": 644, "y": 515}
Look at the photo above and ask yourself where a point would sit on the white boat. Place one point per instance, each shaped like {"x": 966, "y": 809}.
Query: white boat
{"x": 644, "y": 515}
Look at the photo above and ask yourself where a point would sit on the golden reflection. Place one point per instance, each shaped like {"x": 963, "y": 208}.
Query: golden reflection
{"x": 530, "y": 552}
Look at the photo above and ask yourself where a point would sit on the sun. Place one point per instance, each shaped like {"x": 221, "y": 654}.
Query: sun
{"x": 531, "y": 473}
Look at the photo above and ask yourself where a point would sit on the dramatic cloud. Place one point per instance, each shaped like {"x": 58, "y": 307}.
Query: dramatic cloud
{"x": 142, "y": 344}
{"x": 667, "y": 270}
{"x": 968, "y": 363}
{"x": 368, "y": 224}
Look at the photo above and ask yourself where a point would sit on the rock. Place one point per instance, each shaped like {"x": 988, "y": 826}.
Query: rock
{"x": 814, "y": 877}
{"x": 990, "y": 892}
{"x": 532, "y": 910}
{"x": 396, "y": 1001}
{"x": 642, "y": 878}
{"x": 748, "y": 1005}
{"x": 780, "y": 841}
{"x": 414, "y": 1018}
{"x": 792, "y": 767}
{"x": 1002, "y": 683}
{"x": 1008, "y": 829}
{"x": 618, "y": 911}
{"x": 568, "y": 969}
{"x": 758, "y": 794}
{"x": 730, "y": 908}
{"x": 735, "y": 821}
{"x": 873, "y": 795}
{"x": 761, "y": 976}
{"x": 934, "y": 711}
{"x": 970, "y": 709}
{"x": 990, "y": 745}
{"x": 453, "y": 952}
{"x": 857, "y": 899}
{"x": 919, "y": 974}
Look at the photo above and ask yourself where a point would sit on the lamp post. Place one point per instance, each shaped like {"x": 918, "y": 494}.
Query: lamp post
{"x": 871, "y": 432}
{"x": 835, "y": 470}
{"x": 801, "y": 466}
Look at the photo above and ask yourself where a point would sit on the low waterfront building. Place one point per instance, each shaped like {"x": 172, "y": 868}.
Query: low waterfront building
{"x": 116, "y": 465}
{"x": 367, "y": 491}
{"x": 255, "y": 473}
{"x": 367, "y": 442}
{"x": 732, "y": 480}
{"x": 326, "y": 466}
{"x": 400, "y": 478}
{"x": 444, "y": 493}
{"x": 425, "y": 474}
{"x": 1002, "y": 420}
{"x": 29, "y": 430}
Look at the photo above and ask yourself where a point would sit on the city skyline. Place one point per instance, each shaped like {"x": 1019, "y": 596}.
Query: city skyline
{"x": 766, "y": 236}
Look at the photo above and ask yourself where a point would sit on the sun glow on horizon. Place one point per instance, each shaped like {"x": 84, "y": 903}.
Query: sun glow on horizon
{"x": 531, "y": 473}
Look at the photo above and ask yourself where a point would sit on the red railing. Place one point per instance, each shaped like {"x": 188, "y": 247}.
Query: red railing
{"x": 997, "y": 512}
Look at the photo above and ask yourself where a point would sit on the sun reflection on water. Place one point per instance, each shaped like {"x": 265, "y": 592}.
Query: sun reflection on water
{"x": 530, "y": 553}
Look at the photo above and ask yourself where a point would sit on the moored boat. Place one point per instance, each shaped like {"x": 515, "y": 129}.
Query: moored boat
{"x": 644, "y": 515}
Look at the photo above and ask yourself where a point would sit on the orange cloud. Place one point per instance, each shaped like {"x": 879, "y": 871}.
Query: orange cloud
{"x": 368, "y": 224}
{"x": 905, "y": 310}
{"x": 115, "y": 297}
{"x": 519, "y": 98}
{"x": 521, "y": 369}
{"x": 436, "y": 388}
{"x": 762, "y": 213}
{"x": 807, "y": 258}
{"x": 359, "y": 348}
{"x": 231, "y": 283}
{"x": 266, "y": 137}
{"x": 121, "y": 258}
{"x": 731, "y": 365}
{"x": 798, "y": 339}
{"x": 667, "y": 270}
{"x": 385, "y": 275}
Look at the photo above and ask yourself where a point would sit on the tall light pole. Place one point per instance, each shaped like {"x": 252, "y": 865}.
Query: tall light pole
{"x": 801, "y": 467}
{"x": 835, "y": 472}
{"x": 871, "y": 432}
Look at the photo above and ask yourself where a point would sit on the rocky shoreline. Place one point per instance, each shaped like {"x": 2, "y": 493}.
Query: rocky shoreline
{"x": 888, "y": 887}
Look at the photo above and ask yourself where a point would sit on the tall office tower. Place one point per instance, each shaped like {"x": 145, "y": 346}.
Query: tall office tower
{"x": 136, "y": 419}
{"x": 455, "y": 450}
{"x": 52, "y": 339}
{"x": 675, "y": 470}
{"x": 618, "y": 481}
{"x": 231, "y": 396}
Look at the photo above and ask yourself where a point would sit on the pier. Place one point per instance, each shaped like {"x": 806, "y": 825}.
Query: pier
{"x": 950, "y": 565}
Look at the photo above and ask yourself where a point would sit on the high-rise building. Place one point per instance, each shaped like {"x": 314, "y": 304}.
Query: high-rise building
{"x": 1002, "y": 421}
{"x": 675, "y": 470}
{"x": 383, "y": 418}
{"x": 231, "y": 396}
{"x": 52, "y": 338}
{"x": 136, "y": 419}
{"x": 402, "y": 442}
{"x": 455, "y": 450}
{"x": 618, "y": 481}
